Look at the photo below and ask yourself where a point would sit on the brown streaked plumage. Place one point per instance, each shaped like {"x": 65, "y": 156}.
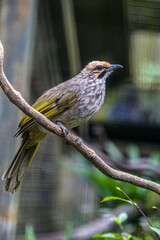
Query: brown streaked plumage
{"x": 70, "y": 103}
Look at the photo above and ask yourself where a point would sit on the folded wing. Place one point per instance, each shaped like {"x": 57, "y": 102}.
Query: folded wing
{"x": 52, "y": 103}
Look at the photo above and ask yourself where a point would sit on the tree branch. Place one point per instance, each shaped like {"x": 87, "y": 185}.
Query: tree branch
{"x": 143, "y": 166}
{"x": 16, "y": 98}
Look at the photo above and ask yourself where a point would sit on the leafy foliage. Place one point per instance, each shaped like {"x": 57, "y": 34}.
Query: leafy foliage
{"x": 107, "y": 187}
{"x": 119, "y": 236}
{"x": 122, "y": 218}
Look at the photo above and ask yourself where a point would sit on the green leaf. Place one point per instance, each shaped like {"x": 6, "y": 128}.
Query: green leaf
{"x": 108, "y": 236}
{"x": 136, "y": 238}
{"x": 155, "y": 207}
{"x": 147, "y": 238}
{"x": 129, "y": 236}
{"x": 116, "y": 220}
{"x": 122, "y": 217}
{"x": 156, "y": 230}
{"x": 116, "y": 198}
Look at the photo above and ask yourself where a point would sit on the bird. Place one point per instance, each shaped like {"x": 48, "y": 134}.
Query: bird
{"x": 69, "y": 105}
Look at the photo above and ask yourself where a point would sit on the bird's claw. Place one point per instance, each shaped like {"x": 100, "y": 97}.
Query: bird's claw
{"x": 63, "y": 128}
{"x": 78, "y": 141}
{"x": 65, "y": 132}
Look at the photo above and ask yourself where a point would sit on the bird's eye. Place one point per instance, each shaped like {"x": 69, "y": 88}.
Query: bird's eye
{"x": 99, "y": 67}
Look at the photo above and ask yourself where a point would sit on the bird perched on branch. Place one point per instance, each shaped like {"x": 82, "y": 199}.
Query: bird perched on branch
{"x": 68, "y": 104}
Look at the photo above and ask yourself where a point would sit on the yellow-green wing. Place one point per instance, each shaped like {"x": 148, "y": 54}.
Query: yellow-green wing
{"x": 52, "y": 103}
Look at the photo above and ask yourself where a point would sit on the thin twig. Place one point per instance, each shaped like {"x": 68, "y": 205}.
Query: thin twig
{"x": 139, "y": 209}
{"x": 16, "y": 98}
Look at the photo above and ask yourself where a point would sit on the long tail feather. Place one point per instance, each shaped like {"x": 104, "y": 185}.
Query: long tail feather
{"x": 16, "y": 171}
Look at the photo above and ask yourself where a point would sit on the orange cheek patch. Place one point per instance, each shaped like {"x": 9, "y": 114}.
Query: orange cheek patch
{"x": 97, "y": 73}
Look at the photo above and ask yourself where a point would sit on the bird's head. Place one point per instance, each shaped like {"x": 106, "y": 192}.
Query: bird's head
{"x": 100, "y": 69}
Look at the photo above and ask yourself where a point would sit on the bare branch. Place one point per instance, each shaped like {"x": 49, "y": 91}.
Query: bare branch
{"x": 143, "y": 166}
{"x": 16, "y": 98}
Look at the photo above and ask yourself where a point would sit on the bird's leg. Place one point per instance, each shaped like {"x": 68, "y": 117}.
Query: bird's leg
{"x": 63, "y": 128}
{"x": 65, "y": 132}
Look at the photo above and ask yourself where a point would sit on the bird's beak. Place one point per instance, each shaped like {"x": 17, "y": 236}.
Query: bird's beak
{"x": 114, "y": 67}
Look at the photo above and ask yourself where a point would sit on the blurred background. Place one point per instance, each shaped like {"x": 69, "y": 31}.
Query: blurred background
{"x": 48, "y": 42}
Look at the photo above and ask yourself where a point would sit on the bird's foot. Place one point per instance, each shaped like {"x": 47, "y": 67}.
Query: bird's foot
{"x": 63, "y": 128}
{"x": 78, "y": 141}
